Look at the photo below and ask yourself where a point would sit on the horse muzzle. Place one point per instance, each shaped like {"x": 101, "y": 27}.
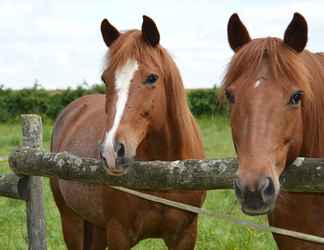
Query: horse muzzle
{"x": 258, "y": 201}
{"x": 116, "y": 161}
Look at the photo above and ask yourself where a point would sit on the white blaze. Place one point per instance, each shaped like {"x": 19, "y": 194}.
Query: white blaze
{"x": 257, "y": 83}
{"x": 123, "y": 78}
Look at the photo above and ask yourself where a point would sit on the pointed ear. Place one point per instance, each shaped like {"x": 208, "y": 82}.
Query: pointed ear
{"x": 150, "y": 32}
{"x": 109, "y": 32}
{"x": 237, "y": 33}
{"x": 296, "y": 33}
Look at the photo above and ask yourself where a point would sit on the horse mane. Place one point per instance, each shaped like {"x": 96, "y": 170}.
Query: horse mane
{"x": 306, "y": 70}
{"x": 185, "y": 130}
{"x": 185, "y": 126}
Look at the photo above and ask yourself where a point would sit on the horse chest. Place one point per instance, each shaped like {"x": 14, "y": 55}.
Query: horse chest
{"x": 84, "y": 199}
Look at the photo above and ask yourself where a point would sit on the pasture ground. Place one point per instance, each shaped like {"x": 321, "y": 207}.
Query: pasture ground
{"x": 213, "y": 234}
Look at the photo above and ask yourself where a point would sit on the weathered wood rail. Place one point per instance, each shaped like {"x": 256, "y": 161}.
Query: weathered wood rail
{"x": 13, "y": 186}
{"x": 304, "y": 175}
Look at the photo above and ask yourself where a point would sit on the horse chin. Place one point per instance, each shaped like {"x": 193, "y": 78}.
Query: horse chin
{"x": 266, "y": 210}
{"x": 121, "y": 167}
{"x": 115, "y": 172}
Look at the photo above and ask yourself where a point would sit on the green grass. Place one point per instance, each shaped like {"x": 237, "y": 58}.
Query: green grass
{"x": 213, "y": 234}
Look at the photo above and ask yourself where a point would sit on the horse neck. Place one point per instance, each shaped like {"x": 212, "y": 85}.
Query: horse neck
{"x": 160, "y": 145}
{"x": 184, "y": 133}
{"x": 179, "y": 138}
{"x": 184, "y": 137}
{"x": 313, "y": 118}
{"x": 169, "y": 145}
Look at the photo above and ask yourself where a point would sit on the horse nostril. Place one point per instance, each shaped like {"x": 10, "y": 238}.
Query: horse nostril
{"x": 120, "y": 149}
{"x": 268, "y": 189}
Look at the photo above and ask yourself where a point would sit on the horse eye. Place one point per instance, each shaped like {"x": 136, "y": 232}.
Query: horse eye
{"x": 296, "y": 97}
{"x": 230, "y": 97}
{"x": 151, "y": 79}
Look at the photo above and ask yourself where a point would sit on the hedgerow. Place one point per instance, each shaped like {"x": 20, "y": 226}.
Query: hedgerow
{"x": 49, "y": 103}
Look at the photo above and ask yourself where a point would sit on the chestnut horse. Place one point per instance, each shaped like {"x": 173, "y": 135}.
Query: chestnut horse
{"x": 143, "y": 116}
{"x": 276, "y": 93}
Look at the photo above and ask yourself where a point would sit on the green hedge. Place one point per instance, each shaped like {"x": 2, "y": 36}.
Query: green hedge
{"x": 206, "y": 102}
{"x": 49, "y": 103}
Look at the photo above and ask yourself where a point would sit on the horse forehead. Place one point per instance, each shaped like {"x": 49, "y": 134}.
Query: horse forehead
{"x": 261, "y": 92}
{"x": 264, "y": 86}
{"x": 125, "y": 73}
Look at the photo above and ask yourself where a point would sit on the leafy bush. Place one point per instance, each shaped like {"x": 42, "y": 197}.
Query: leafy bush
{"x": 206, "y": 102}
{"x": 49, "y": 103}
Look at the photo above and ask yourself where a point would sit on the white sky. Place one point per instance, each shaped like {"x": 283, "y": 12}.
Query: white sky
{"x": 58, "y": 42}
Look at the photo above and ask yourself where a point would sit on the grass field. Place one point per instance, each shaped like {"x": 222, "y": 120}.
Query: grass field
{"x": 213, "y": 234}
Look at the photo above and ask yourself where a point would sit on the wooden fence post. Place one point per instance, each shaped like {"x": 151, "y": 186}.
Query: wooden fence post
{"x": 32, "y": 133}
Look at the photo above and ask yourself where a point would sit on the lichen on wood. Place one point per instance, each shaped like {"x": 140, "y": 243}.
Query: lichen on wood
{"x": 160, "y": 175}
{"x": 32, "y": 131}
{"x": 32, "y": 135}
{"x": 13, "y": 186}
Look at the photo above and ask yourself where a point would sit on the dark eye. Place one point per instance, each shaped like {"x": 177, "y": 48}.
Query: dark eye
{"x": 230, "y": 96}
{"x": 296, "y": 97}
{"x": 151, "y": 79}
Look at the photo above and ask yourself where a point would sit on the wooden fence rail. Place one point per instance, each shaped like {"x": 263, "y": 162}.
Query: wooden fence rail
{"x": 13, "y": 186}
{"x": 304, "y": 175}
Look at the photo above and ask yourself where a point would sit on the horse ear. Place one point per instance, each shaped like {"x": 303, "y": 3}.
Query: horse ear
{"x": 237, "y": 33}
{"x": 150, "y": 32}
{"x": 109, "y": 32}
{"x": 296, "y": 33}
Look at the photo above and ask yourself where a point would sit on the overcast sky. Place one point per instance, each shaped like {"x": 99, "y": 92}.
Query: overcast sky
{"x": 58, "y": 42}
